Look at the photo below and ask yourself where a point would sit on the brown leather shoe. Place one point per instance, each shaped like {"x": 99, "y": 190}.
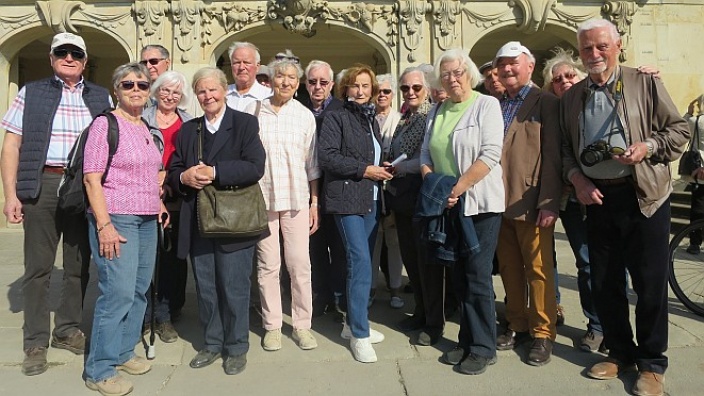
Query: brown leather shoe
{"x": 649, "y": 384}
{"x": 509, "y": 339}
{"x": 540, "y": 352}
{"x": 607, "y": 369}
{"x": 34, "y": 362}
{"x": 74, "y": 342}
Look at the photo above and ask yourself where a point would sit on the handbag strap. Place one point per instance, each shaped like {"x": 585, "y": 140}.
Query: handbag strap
{"x": 696, "y": 131}
{"x": 199, "y": 134}
{"x": 258, "y": 109}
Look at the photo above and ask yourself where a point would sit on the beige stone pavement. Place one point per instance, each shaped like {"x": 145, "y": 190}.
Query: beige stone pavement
{"x": 403, "y": 368}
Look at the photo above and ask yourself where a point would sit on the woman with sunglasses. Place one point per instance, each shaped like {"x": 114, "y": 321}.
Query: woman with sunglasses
{"x": 388, "y": 119}
{"x": 402, "y": 191}
{"x": 124, "y": 211}
{"x": 169, "y": 93}
{"x": 462, "y": 149}
{"x": 349, "y": 152}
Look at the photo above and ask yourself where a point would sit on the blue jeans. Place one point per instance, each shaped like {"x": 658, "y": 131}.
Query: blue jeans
{"x": 222, "y": 286}
{"x": 122, "y": 282}
{"x": 475, "y": 290}
{"x": 358, "y": 234}
{"x": 575, "y": 224}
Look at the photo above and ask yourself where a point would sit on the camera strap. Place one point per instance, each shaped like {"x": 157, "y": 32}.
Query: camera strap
{"x": 617, "y": 95}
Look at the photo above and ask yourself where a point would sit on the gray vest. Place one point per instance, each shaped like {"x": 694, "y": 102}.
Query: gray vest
{"x": 42, "y": 99}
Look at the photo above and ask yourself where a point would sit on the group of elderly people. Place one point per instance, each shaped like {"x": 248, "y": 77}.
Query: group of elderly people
{"x": 434, "y": 172}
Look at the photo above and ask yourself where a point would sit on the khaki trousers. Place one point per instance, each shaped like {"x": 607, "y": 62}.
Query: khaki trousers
{"x": 527, "y": 270}
{"x": 294, "y": 229}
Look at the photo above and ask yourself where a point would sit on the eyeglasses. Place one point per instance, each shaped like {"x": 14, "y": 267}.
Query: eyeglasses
{"x": 322, "y": 83}
{"x": 455, "y": 73}
{"x": 128, "y": 84}
{"x": 416, "y": 88}
{"x": 566, "y": 77}
{"x": 152, "y": 61}
{"x": 385, "y": 91}
{"x": 63, "y": 52}
{"x": 165, "y": 93}
{"x": 293, "y": 59}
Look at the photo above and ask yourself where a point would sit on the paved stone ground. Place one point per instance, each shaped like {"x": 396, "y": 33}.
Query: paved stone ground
{"x": 403, "y": 368}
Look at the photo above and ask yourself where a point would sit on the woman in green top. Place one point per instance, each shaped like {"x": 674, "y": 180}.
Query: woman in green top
{"x": 464, "y": 138}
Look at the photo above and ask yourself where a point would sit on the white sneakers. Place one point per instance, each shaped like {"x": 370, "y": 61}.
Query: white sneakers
{"x": 272, "y": 340}
{"x": 375, "y": 337}
{"x": 362, "y": 350}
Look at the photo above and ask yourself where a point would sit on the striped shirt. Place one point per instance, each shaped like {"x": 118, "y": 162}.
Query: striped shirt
{"x": 132, "y": 184}
{"x": 71, "y": 118}
{"x": 509, "y": 107}
{"x": 291, "y": 157}
{"x": 240, "y": 101}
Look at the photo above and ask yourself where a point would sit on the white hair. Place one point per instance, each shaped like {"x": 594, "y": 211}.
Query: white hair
{"x": 382, "y": 78}
{"x": 244, "y": 44}
{"x": 424, "y": 71}
{"x": 458, "y": 54}
{"x": 598, "y": 23}
{"x": 172, "y": 77}
{"x": 316, "y": 64}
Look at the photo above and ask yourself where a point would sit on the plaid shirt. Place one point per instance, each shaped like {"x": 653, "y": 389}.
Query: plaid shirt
{"x": 289, "y": 140}
{"x": 509, "y": 107}
{"x": 71, "y": 118}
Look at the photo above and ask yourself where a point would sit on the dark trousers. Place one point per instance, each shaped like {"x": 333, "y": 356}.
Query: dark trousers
{"x": 222, "y": 286}
{"x": 328, "y": 261}
{"x": 575, "y": 224}
{"x": 475, "y": 289}
{"x": 44, "y": 224}
{"x": 173, "y": 275}
{"x": 696, "y": 212}
{"x": 409, "y": 242}
{"x": 620, "y": 238}
{"x": 432, "y": 282}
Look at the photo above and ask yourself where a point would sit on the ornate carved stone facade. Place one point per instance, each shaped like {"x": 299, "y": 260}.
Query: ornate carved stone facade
{"x": 387, "y": 34}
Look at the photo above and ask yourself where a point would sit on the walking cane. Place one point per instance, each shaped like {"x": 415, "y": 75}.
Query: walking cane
{"x": 153, "y": 295}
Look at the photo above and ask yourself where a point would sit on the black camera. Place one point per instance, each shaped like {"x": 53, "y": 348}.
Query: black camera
{"x": 598, "y": 151}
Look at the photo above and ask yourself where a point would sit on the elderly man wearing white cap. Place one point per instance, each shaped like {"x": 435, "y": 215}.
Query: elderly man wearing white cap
{"x": 42, "y": 124}
{"x": 531, "y": 163}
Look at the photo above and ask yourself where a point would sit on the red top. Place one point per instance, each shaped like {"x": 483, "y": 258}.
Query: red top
{"x": 170, "y": 141}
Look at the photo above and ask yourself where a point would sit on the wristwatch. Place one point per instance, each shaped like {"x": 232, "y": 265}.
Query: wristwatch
{"x": 650, "y": 151}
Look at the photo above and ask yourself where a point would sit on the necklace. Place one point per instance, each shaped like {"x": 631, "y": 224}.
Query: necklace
{"x": 168, "y": 120}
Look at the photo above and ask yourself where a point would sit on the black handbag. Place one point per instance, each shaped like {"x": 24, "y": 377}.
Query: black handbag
{"x": 232, "y": 211}
{"x": 692, "y": 158}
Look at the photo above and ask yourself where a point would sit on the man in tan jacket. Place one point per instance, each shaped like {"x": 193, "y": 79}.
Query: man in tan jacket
{"x": 531, "y": 163}
{"x": 620, "y": 132}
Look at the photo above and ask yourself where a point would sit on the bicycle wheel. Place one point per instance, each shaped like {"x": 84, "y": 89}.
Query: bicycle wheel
{"x": 687, "y": 270}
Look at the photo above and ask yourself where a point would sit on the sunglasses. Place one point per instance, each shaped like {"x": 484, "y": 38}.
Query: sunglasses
{"x": 385, "y": 91}
{"x": 63, "y": 52}
{"x": 416, "y": 88}
{"x": 322, "y": 83}
{"x": 293, "y": 59}
{"x": 142, "y": 85}
{"x": 152, "y": 61}
{"x": 567, "y": 76}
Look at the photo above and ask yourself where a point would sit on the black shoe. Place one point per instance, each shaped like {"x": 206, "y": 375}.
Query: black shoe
{"x": 408, "y": 289}
{"x": 320, "y": 307}
{"x": 474, "y": 364}
{"x": 166, "y": 332}
{"x": 510, "y": 339}
{"x": 540, "y": 352}
{"x": 411, "y": 323}
{"x": 694, "y": 249}
{"x": 235, "y": 364}
{"x": 204, "y": 358}
{"x": 34, "y": 362}
{"x": 429, "y": 337}
{"x": 453, "y": 356}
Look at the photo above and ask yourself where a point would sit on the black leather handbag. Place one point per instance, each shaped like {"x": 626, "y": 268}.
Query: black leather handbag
{"x": 692, "y": 158}
{"x": 232, "y": 211}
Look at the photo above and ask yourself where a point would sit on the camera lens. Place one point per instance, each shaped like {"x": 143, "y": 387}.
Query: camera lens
{"x": 590, "y": 157}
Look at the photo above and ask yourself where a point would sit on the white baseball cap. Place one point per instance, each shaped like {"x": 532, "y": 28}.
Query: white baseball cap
{"x": 68, "y": 39}
{"x": 511, "y": 50}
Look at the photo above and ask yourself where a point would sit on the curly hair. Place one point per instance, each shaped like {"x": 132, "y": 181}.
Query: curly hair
{"x": 561, "y": 58}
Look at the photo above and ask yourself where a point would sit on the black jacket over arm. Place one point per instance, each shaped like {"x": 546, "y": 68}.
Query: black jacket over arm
{"x": 238, "y": 156}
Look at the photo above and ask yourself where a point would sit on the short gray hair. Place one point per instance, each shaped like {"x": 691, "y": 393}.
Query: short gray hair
{"x": 123, "y": 70}
{"x": 210, "y": 72}
{"x": 458, "y": 54}
{"x": 244, "y": 44}
{"x": 382, "y": 78}
{"x": 316, "y": 64}
{"x": 162, "y": 50}
{"x": 425, "y": 72}
{"x": 172, "y": 78}
{"x": 278, "y": 66}
{"x": 599, "y": 23}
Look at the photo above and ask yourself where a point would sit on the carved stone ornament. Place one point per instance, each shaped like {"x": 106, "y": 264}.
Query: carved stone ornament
{"x": 572, "y": 20}
{"x": 411, "y": 14}
{"x": 445, "y": 14}
{"x": 535, "y": 14}
{"x": 621, "y": 14}
{"x": 11, "y": 22}
{"x": 150, "y": 16}
{"x": 57, "y": 14}
{"x": 485, "y": 21}
{"x": 186, "y": 14}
